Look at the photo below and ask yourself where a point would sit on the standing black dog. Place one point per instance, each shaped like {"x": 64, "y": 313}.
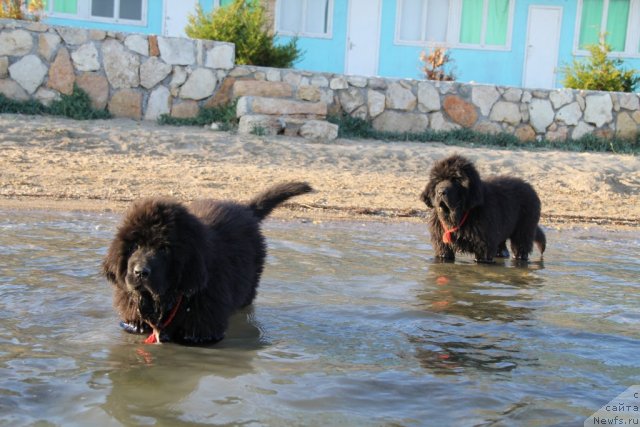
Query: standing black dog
{"x": 472, "y": 215}
{"x": 180, "y": 272}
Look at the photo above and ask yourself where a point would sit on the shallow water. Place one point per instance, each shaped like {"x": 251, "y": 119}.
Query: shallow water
{"x": 355, "y": 324}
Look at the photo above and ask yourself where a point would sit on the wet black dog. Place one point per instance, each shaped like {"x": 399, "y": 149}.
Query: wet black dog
{"x": 471, "y": 215}
{"x": 180, "y": 272}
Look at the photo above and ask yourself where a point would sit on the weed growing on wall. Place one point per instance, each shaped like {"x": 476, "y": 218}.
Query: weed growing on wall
{"x": 244, "y": 23}
{"x": 224, "y": 116}
{"x": 351, "y": 127}
{"x": 19, "y": 9}
{"x": 435, "y": 64}
{"x": 599, "y": 72}
{"x": 75, "y": 106}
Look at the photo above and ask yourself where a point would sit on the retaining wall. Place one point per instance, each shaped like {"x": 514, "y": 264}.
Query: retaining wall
{"x": 141, "y": 77}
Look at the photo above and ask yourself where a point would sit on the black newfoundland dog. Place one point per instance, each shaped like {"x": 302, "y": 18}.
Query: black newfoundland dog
{"x": 472, "y": 215}
{"x": 180, "y": 272}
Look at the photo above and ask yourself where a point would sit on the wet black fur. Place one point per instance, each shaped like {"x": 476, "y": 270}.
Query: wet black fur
{"x": 500, "y": 208}
{"x": 210, "y": 252}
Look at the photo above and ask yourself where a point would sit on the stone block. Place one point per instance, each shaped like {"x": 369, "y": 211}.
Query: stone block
{"x": 428, "y": 97}
{"x": 506, "y": 112}
{"x": 460, "y": 111}
{"x": 396, "y": 121}
{"x": 199, "y": 85}
{"x": 97, "y": 87}
{"x": 15, "y": 43}
{"x": 121, "y": 66}
{"x": 126, "y": 103}
{"x": 47, "y": 45}
{"x": 266, "y": 125}
{"x": 138, "y": 44}
{"x": 177, "y": 51}
{"x": 319, "y": 130}
{"x": 86, "y": 58}
{"x": 262, "y": 88}
{"x": 61, "y": 73}
{"x": 29, "y": 72}
{"x": 599, "y": 109}
{"x": 185, "y": 109}
{"x": 13, "y": 90}
{"x": 159, "y": 103}
{"x": 400, "y": 97}
{"x": 153, "y": 71}
{"x": 221, "y": 56}
{"x": 541, "y": 114}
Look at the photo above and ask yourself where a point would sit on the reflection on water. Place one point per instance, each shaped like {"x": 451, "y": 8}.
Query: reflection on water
{"x": 355, "y": 324}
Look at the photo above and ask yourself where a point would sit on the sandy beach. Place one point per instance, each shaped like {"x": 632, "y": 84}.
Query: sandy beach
{"x": 54, "y": 163}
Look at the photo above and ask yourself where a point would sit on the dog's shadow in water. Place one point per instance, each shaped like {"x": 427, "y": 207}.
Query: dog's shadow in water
{"x": 149, "y": 381}
{"x": 474, "y": 304}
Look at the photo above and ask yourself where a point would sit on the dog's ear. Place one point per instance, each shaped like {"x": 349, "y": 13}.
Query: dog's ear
{"x": 112, "y": 262}
{"x": 473, "y": 184}
{"x": 428, "y": 193}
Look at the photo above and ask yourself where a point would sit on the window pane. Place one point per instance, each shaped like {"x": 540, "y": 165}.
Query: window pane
{"x": 471, "y": 22}
{"x": 131, "y": 9}
{"x": 316, "y": 22}
{"x": 590, "y": 22}
{"x": 65, "y": 6}
{"x": 617, "y": 20}
{"x": 102, "y": 8}
{"x": 437, "y": 18}
{"x": 497, "y": 22}
{"x": 411, "y": 20}
{"x": 290, "y": 16}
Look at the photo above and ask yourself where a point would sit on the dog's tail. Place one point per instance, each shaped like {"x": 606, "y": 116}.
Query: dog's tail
{"x": 265, "y": 202}
{"x": 540, "y": 239}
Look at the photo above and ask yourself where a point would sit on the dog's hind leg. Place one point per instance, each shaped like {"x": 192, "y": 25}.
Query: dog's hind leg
{"x": 503, "y": 252}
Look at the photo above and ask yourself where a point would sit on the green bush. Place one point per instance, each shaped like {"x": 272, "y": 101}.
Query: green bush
{"x": 245, "y": 24}
{"x": 224, "y": 116}
{"x": 75, "y": 106}
{"x": 598, "y": 72}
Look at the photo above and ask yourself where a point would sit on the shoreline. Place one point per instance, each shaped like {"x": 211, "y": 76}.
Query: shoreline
{"x": 52, "y": 163}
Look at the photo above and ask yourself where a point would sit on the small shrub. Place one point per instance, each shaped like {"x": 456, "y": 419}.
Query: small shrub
{"x": 75, "y": 106}
{"x": 598, "y": 72}
{"x": 224, "y": 116}
{"x": 15, "y": 9}
{"x": 244, "y": 23}
{"x": 435, "y": 63}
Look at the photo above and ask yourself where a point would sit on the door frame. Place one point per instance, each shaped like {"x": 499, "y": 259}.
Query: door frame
{"x": 526, "y": 42}
{"x": 376, "y": 50}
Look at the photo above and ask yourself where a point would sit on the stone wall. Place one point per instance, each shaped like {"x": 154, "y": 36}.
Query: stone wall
{"x": 131, "y": 75}
{"x": 419, "y": 105}
{"x": 141, "y": 77}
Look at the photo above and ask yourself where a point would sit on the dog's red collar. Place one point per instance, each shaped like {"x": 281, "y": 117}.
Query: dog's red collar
{"x": 151, "y": 339}
{"x": 446, "y": 237}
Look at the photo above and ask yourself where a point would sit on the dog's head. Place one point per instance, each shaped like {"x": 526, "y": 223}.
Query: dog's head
{"x": 154, "y": 257}
{"x": 454, "y": 187}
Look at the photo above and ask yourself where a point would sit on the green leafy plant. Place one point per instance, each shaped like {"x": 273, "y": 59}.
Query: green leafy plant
{"x": 244, "y": 23}
{"x": 76, "y": 106}
{"x": 223, "y": 115}
{"x": 599, "y": 72}
{"x": 15, "y": 9}
{"x": 351, "y": 127}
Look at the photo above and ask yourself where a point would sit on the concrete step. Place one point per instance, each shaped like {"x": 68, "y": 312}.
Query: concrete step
{"x": 248, "y": 105}
{"x": 313, "y": 129}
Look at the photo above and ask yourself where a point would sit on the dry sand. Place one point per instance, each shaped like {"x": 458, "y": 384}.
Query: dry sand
{"x": 57, "y": 163}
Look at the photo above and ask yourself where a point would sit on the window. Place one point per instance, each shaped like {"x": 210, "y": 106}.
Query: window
{"x": 424, "y": 20}
{"x": 618, "y": 20}
{"x": 304, "y": 17}
{"x": 468, "y": 23}
{"x": 119, "y": 11}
